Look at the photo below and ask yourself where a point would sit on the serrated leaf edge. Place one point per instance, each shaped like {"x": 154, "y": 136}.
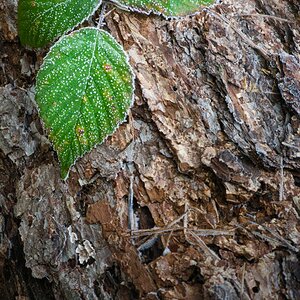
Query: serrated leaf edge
{"x": 118, "y": 124}
{"x": 68, "y": 31}
{"x": 151, "y": 11}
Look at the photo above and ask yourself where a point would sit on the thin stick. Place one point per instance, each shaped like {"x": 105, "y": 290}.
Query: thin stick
{"x": 177, "y": 220}
{"x": 265, "y": 17}
{"x": 203, "y": 245}
{"x": 119, "y": 5}
{"x": 102, "y": 16}
{"x": 109, "y": 12}
{"x": 130, "y": 205}
{"x": 148, "y": 244}
{"x": 278, "y": 239}
{"x": 185, "y": 219}
{"x": 290, "y": 145}
{"x": 281, "y": 184}
{"x": 168, "y": 239}
{"x": 165, "y": 230}
{"x": 264, "y": 52}
{"x": 243, "y": 281}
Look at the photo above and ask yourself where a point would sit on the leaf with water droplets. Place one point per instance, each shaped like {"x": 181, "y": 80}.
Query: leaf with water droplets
{"x": 41, "y": 21}
{"x": 171, "y": 8}
{"x": 84, "y": 90}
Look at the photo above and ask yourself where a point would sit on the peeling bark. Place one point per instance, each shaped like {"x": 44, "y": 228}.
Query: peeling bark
{"x": 195, "y": 196}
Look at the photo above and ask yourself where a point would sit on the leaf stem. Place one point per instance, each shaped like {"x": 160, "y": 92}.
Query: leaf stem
{"x": 102, "y": 16}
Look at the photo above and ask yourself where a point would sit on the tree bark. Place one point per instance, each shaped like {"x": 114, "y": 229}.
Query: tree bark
{"x": 196, "y": 196}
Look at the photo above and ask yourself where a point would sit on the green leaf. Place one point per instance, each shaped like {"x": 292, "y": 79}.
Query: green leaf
{"x": 171, "y": 8}
{"x": 84, "y": 90}
{"x": 41, "y": 21}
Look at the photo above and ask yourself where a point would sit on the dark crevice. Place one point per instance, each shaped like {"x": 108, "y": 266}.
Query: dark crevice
{"x": 296, "y": 180}
{"x": 17, "y": 281}
{"x": 196, "y": 276}
{"x": 114, "y": 284}
{"x": 152, "y": 247}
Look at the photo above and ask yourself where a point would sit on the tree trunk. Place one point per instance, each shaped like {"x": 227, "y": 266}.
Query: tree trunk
{"x": 196, "y": 196}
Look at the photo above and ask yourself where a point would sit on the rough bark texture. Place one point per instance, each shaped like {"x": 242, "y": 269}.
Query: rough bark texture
{"x": 209, "y": 157}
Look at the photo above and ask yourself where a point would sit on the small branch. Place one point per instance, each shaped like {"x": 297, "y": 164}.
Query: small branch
{"x": 253, "y": 45}
{"x": 243, "y": 281}
{"x": 264, "y": 16}
{"x": 118, "y": 5}
{"x": 109, "y": 12}
{"x": 131, "y": 222}
{"x": 277, "y": 240}
{"x": 290, "y": 146}
{"x": 148, "y": 244}
{"x": 203, "y": 246}
{"x": 281, "y": 184}
{"x": 185, "y": 219}
{"x": 166, "y": 230}
{"x": 102, "y": 16}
